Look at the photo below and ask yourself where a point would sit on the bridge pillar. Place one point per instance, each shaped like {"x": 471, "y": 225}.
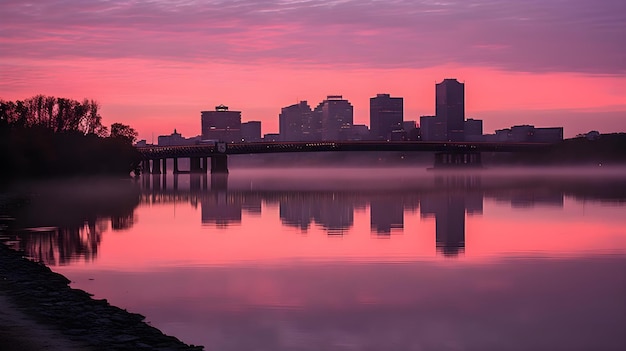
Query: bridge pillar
{"x": 194, "y": 165}
{"x": 205, "y": 182}
{"x": 145, "y": 166}
{"x": 156, "y": 182}
{"x": 219, "y": 164}
{"x": 156, "y": 166}
{"x": 458, "y": 160}
{"x": 205, "y": 164}
{"x": 176, "y": 171}
{"x": 164, "y": 165}
{"x": 146, "y": 179}
{"x": 219, "y": 181}
{"x": 195, "y": 183}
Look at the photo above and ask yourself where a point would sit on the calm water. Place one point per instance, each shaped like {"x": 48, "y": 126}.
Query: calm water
{"x": 348, "y": 259}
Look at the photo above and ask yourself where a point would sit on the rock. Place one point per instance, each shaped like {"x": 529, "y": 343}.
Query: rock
{"x": 47, "y": 297}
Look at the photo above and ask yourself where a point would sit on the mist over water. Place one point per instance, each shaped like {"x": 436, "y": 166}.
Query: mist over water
{"x": 347, "y": 258}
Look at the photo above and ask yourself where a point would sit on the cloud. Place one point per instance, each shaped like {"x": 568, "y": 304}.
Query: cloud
{"x": 528, "y": 36}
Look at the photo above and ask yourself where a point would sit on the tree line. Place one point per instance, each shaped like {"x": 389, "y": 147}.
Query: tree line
{"x": 60, "y": 115}
{"x": 52, "y": 136}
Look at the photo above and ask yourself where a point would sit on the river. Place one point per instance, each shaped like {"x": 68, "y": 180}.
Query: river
{"x": 348, "y": 258}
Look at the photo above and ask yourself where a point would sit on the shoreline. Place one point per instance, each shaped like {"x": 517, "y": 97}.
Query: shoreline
{"x": 36, "y": 297}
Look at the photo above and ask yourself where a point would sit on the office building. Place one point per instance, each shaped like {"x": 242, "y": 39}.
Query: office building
{"x": 526, "y": 134}
{"x": 355, "y": 132}
{"x": 432, "y": 129}
{"x": 271, "y": 137}
{"x": 386, "y": 116}
{"x": 473, "y": 129}
{"x": 412, "y": 130}
{"x": 336, "y": 115}
{"x": 450, "y": 108}
{"x": 298, "y": 123}
{"x": 251, "y": 132}
{"x": 548, "y": 135}
{"x": 221, "y": 124}
{"x": 176, "y": 139}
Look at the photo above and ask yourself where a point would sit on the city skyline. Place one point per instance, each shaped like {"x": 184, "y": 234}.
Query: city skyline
{"x": 154, "y": 65}
{"x": 332, "y": 120}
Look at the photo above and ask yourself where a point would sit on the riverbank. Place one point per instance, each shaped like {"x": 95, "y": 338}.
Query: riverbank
{"x": 32, "y": 296}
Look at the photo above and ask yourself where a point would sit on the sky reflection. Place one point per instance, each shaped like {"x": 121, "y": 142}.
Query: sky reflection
{"x": 362, "y": 259}
{"x": 514, "y": 304}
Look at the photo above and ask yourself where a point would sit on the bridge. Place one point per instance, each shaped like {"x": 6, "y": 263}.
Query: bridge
{"x": 447, "y": 154}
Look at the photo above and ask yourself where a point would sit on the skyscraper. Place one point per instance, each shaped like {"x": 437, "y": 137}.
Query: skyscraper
{"x": 386, "y": 115}
{"x": 297, "y": 123}
{"x": 450, "y": 108}
{"x": 221, "y": 124}
{"x": 336, "y": 115}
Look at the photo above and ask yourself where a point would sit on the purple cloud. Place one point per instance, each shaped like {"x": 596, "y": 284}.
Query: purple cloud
{"x": 530, "y": 36}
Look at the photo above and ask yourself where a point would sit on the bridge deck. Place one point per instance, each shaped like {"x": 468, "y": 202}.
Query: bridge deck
{"x": 208, "y": 150}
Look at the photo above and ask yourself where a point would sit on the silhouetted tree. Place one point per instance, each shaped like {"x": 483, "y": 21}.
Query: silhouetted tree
{"x": 49, "y": 136}
{"x": 92, "y": 123}
{"x": 122, "y": 131}
{"x": 56, "y": 114}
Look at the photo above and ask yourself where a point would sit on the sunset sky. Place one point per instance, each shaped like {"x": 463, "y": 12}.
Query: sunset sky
{"x": 156, "y": 64}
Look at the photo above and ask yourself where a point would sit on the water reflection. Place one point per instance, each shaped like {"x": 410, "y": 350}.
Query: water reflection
{"x": 356, "y": 261}
{"x": 58, "y": 222}
{"x": 446, "y": 198}
{"x": 65, "y": 220}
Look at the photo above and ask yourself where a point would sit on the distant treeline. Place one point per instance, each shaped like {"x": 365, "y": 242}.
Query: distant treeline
{"x": 603, "y": 149}
{"x": 48, "y": 136}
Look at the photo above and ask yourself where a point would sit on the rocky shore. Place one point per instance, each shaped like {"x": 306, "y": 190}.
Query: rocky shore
{"x": 46, "y": 297}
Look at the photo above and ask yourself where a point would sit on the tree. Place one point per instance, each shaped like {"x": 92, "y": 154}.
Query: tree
{"x": 125, "y": 132}
{"x": 56, "y": 114}
{"x": 92, "y": 122}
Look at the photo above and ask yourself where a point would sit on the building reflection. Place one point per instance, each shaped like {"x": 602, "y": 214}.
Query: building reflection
{"x": 333, "y": 211}
{"x": 221, "y": 209}
{"x": 65, "y": 223}
{"x": 449, "y": 200}
{"x": 459, "y": 196}
{"x": 386, "y": 214}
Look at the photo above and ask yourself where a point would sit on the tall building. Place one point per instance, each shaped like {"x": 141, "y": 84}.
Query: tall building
{"x": 251, "y": 131}
{"x": 386, "y": 116}
{"x": 221, "y": 124}
{"x": 450, "y": 108}
{"x": 297, "y": 123}
{"x": 336, "y": 115}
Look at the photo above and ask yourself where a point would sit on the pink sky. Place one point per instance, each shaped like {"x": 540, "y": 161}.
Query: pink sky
{"x": 155, "y": 65}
